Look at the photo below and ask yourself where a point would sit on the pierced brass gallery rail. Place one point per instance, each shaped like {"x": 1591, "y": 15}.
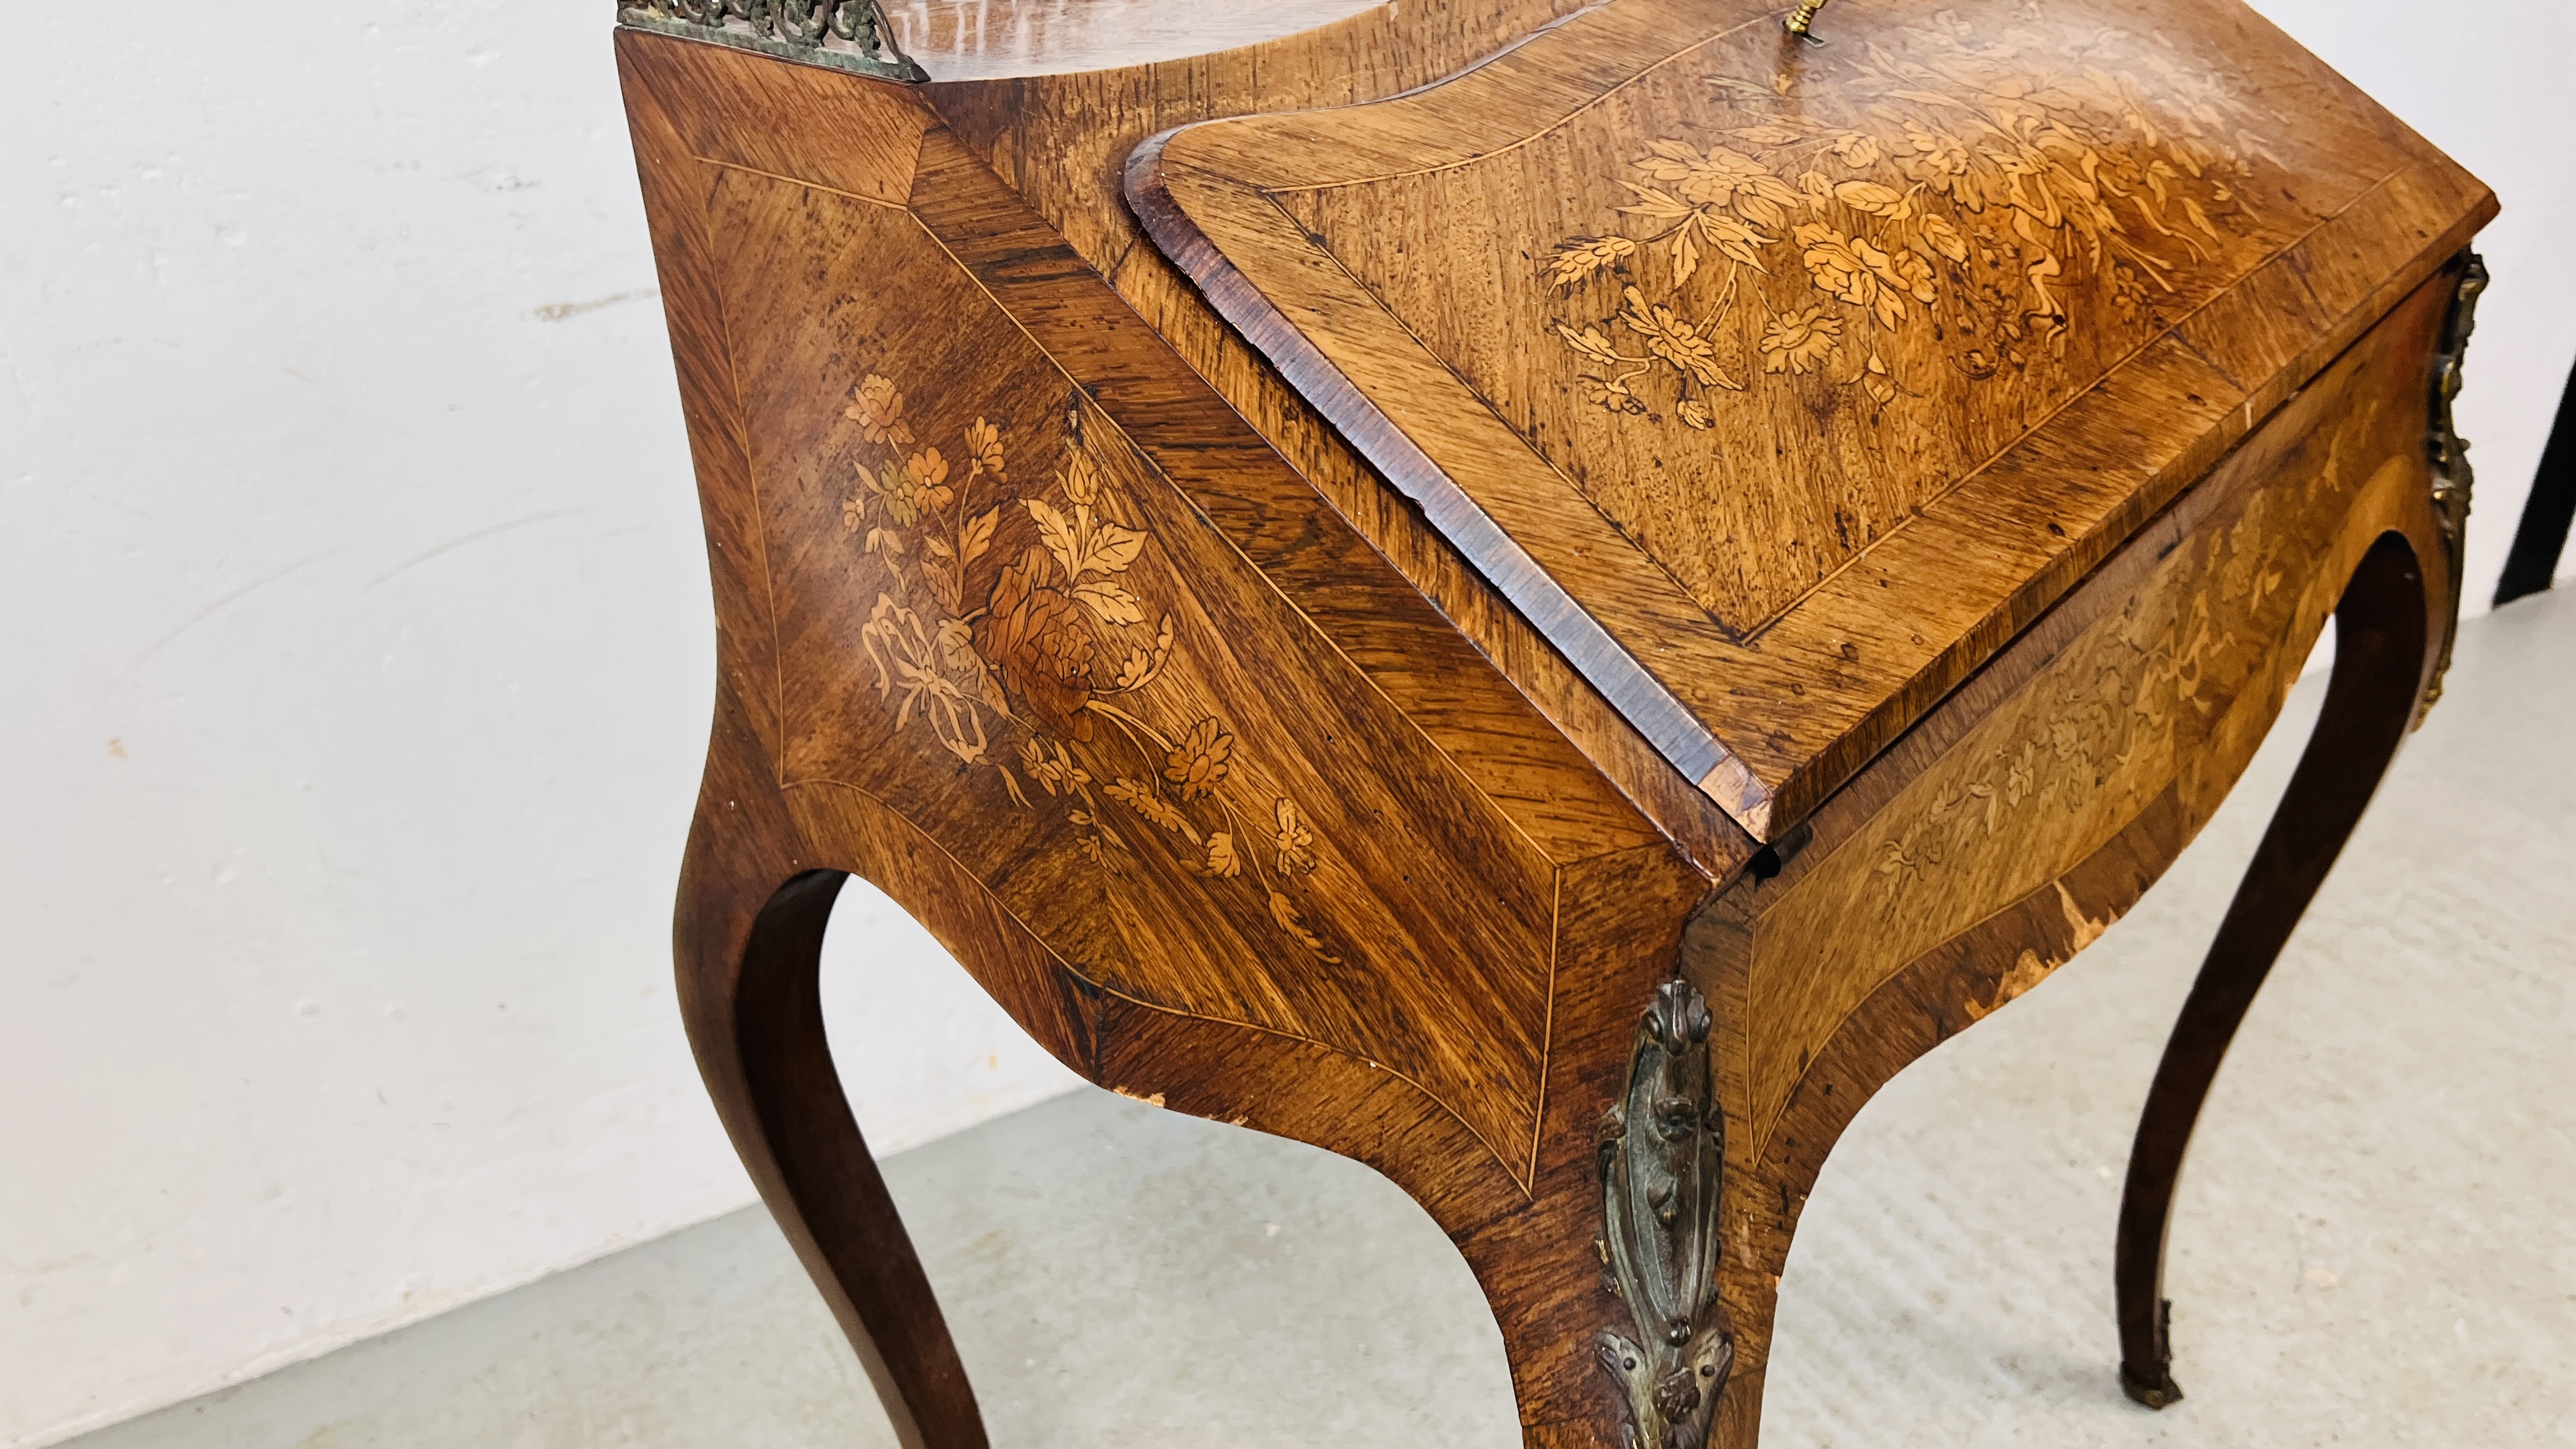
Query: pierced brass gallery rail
{"x": 1663, "y": 1164}
{"x": 849, "y": 35}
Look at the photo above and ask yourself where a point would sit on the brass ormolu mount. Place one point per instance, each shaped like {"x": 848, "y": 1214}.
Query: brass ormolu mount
{"x": 849, "y": 35}
{"x": 2448, "y": 452}
{"x": 1663, "y": 1165}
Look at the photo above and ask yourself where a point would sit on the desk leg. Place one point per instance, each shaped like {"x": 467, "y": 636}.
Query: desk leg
{"x": 749, "y": 992}
{"x": 2380, "y": 645}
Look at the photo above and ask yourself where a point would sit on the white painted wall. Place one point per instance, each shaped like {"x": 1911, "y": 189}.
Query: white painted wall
{"x": 355, "y": 674}
{"x": 356, "y": 667}
{"x": 2490, "y": 85}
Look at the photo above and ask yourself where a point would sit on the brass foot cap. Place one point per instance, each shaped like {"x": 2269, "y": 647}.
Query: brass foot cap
{"x": 2155, "y": 1392}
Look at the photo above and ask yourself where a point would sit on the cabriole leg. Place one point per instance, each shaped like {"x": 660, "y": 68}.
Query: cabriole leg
{"x": 749, "y": 992}
{"x": 2380, "y": 646}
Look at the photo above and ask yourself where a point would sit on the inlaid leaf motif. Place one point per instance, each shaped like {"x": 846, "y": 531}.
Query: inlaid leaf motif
{"x": 1141, "y": 797}
{"x": 1769, "y": 135}
{"x": 1284, "y": 911}
{"x": 1945, "y": 184}
{"x": 1733, "y": 238}
{"x": 1873, "y": 199}
{"x": 1846, "y": 269}
{"x": 1681, "y": 252}
{"x": 1109, "y": 602}
{"x": 1084, "y": 544}
{"x": 977, "y": 536}
{"x": 1293, "y": 841}
{"x": 957, "y": 646}
{"x": 1220, "y": 856}
{"x": 1611, "y": 394}
{"x": 1593, "y": 346}
{"x": 1857, "y": 149}
{"x": 1049, "y": 765}
{"x": 1578, "y": 259}
{"x": 984, "y": 447}
{"x": 1657, "y": 205}
{"x": 1133, "y": 672}
{"x": 1043, "y": 639}
{"x": 1944, "y": 238}
{"x": 1141, "y": 665}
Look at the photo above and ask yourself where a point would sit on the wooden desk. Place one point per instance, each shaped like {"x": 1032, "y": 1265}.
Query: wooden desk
{"x": 1545, "y": 606}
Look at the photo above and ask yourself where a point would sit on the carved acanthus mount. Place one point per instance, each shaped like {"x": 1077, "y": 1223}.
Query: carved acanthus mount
{"x": 2449, "y": 452}
{"x": 1663, "y": 1165}
{"x": 846, "y": 34}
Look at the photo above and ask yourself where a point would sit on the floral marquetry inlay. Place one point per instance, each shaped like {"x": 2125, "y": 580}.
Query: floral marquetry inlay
{"x": 2042, "y": 783}
{"x": 1759, "y": 308}
{"x": 1981, "y": 174}
{"x": 1040, "y": 665}
{"x": 1780, "y": 383}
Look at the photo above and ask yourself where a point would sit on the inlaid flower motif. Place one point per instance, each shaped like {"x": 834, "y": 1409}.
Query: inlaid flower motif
{"x": 1721, "y": 177}
{"x": 1800, "y": 340}
{"x": 878, "y": 410}
{"x": 1050, "y": 639}
{"x": 1851, "y": 270}
{"x": 1039, "y": 639}
{"x": 1294, "y": 842}
{"x": 919, "y": 485}
{"x": 1955, "y": 178}
{"x": 1200, "y": 760}
{"x": 1672, "y": 337}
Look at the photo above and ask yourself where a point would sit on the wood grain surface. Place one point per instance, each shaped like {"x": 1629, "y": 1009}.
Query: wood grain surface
{"x": 2013, "y": 824}
{"x": 1304, "y": 861}
{"x": 1248, "y": 786}
{"x": 1768, "y": 379}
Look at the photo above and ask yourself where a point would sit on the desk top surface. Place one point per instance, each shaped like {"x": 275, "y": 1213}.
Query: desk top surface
{"x": 1780, "y": 384}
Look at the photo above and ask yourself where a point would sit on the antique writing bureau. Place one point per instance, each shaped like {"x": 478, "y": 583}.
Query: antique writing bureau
{"x": 1540, "y": 594}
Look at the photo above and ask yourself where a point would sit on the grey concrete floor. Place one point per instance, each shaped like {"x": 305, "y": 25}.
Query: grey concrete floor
{"x": 2372, "y": 1246}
